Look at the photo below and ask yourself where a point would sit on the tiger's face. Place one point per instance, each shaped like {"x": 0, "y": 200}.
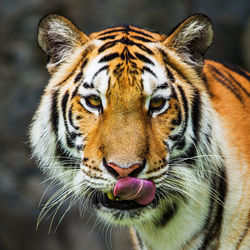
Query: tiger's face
{"x": 121, "y": 107}
{"x": 126, "y": 116}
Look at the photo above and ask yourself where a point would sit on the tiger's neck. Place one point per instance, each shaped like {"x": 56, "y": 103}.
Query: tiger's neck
{"x": 188, "y": 224}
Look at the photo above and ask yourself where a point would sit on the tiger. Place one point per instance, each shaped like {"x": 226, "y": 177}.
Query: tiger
{"x": 146, "y": 132}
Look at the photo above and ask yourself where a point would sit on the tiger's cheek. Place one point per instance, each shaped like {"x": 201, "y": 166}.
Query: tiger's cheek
{"x": 83, "y": 119}
{"x": 160, "y": 129}
{"x": 164, "y": 124}
{"x": 157, "y": 154}
{"x": 93, "y": 154}
{"x": 88, "y": 125}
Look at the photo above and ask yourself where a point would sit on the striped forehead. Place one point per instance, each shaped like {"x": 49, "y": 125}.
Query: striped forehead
{"x": 125, "y": 48}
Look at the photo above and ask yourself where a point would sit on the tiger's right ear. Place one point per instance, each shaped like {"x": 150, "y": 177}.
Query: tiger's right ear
{"x": 58, "y": 37}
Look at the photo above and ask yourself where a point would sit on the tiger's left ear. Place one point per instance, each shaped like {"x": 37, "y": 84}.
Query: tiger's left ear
{"x": 191, "y": 39}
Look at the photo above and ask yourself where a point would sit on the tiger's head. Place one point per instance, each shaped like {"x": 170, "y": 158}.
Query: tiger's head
{"x": 124, "y": 109}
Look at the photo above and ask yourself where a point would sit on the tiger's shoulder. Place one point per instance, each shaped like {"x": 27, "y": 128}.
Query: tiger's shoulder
{"x": 229, "y": 90}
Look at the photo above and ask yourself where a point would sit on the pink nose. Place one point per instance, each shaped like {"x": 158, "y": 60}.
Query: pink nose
{"x": 123, "y": 172}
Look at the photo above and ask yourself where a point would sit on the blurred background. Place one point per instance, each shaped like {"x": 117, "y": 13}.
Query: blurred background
{"x": 23, "y": 76}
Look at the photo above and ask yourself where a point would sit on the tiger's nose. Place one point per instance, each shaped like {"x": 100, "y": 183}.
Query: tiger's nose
{"x": 122, "y": 172}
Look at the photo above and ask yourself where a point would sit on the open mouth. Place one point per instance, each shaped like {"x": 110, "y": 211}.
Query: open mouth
{"x": 108, "y": 201}
{"x": 128, "y": 193}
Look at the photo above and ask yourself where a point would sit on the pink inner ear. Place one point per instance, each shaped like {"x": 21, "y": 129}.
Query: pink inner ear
{"x": 139, "y": 190}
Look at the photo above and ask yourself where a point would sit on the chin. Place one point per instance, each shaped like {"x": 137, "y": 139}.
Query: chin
{"x": 124, "y": 212}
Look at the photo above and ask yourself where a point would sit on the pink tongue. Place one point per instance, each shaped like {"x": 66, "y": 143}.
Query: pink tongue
{"x": 130, "y": 188}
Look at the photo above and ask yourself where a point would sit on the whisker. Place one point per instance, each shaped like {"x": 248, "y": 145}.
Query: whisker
{"x": 73, "y": 201}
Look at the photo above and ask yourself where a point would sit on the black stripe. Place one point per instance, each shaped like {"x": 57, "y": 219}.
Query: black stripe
{"x": 84, "y": 63}
{"x": 80, "y": 74}
{"x": 64, "y": 106}
{"x": 190, "y": 154}
{"x": 113, "y": 31}
{"x": 54, "y": 112}
{"x": 170, "y": 75}
{"x": 238, "y": 70}
{"x": 166, "y": 216}
{"x": 237, "y": 83}
{"x": 141, "y": 38}
{"x": 144, "y": 48}
{"x": 139, "y": 32}
{"x": 88, "y": 86}
{"x": 75, "y": 92}
{"x": 107, "y": 46}
{"x": 109, "y": 57}
{"x": 176, "y": 137}
{"x": 73, "y": 135}
{"x": 185, "y": 106}
{"x": 143, "y": 58}
{"x": 213, "y": 232}
{"x": 127, "y": 41}
{"x": 181, "y": 144}
{"x": 71, "y": 120}
{"x": 173, "y": 92}
{"x": 204, "y": 78}
{"x": 163, "y": 86}
{"x": 209, "y": 219}
{"x": 225, "y": 82}
{"x": 229, "y": 87}
{"x": 107, "y": 37}
{"x": 196, "y": 113}
{"x": 127, "y": 55}
{"x": 65, "y": 158}
{"x": 99, "y": 71}
{"x": 145, "y": 68}
{"x": 78, "y": 77}
{"x": 69, "y": 138}
{"x": 69, "y": 141}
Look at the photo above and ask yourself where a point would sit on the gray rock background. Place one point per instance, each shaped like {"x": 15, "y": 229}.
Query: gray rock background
{"x": 23, "y": 77}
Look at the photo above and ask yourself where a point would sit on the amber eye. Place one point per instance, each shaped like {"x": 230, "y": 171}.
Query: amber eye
{"x": 93, "y": 101}
{"x": 156, "y": 103}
